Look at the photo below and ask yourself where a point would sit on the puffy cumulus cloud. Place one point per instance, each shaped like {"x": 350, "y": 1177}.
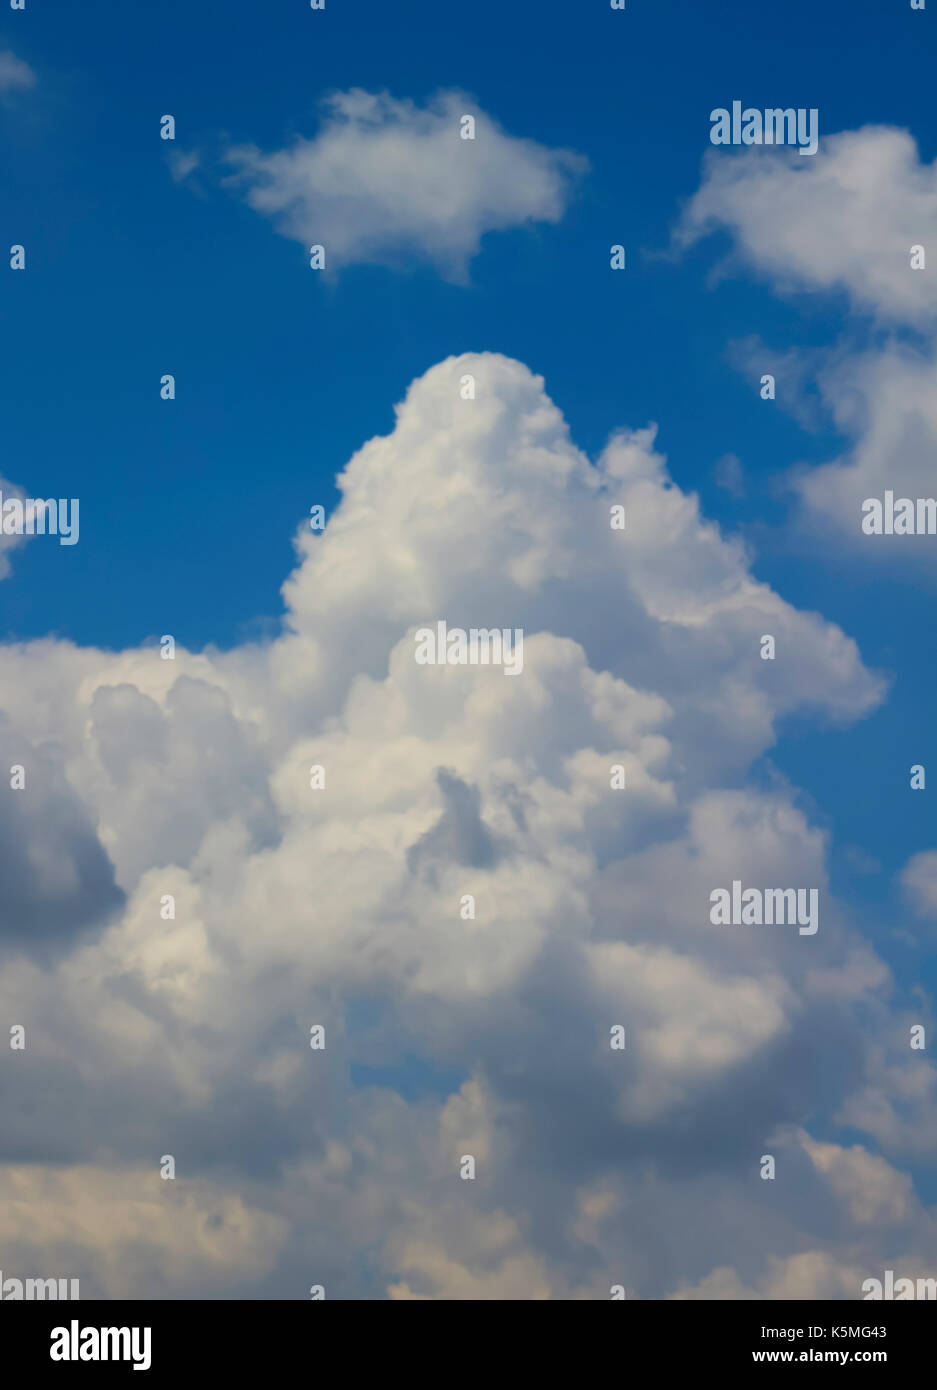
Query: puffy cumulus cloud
{"x": 125, "y": 1233}
{"x": 485, "y": 507}
{"x": 15, "y": 75}
{"x": 689, "y": 1022}
{"x": 874, "y": 1192}
{"x": 885, "y": 402}
{"x": 896, "y": 1104}
{"x": 814, "y": 1274}
{"x": 385, "y": 179}
{"x": 845, "y": 221}
{"x": 493, "y": 1263}
{"x": 872, "y": 1219}
{"x": 449, "y": 1033}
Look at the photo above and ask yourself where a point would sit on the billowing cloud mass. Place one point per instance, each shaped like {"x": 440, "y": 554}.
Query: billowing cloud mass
{"x": 857, "y": 220}
{"x": 343, "y": 906}
{"x": 384, "y": 180}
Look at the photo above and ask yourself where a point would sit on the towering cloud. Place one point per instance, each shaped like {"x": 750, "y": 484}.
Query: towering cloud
{"x": 339, "y": 902}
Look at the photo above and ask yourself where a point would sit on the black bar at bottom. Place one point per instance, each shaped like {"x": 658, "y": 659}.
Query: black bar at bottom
{"x": 238, "y": 1339}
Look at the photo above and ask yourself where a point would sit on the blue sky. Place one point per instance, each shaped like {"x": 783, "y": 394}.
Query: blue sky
{"x": 189, "y": 508}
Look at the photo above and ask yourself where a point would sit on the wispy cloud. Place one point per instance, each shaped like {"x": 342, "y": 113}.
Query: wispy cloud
{"x": 15, "y": 75}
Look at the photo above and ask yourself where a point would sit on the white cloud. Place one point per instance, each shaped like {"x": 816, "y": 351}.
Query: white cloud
{"x": 872, "y": 1189}
{"x": 813, "y": 1274}
{"x": 886, "y": 402}
{"x": 385, "y": 179}
{"x": 845, "y": 219}
{"x": 296, "y": 906}
{"x": 128, "y": 1233}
